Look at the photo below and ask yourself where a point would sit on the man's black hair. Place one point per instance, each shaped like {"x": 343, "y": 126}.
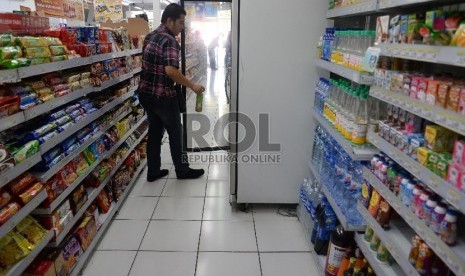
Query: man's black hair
{"x": 173, "y": 11}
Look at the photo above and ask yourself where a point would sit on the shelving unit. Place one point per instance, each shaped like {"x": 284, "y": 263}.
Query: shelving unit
{"x": 453, "y": 257}
{"x": 365, "y": 152}
{"x": 355, "y": 76}
{"x": 364, "y": 7}
{"x": 397, "y": 240}
{"x": 22, "y": 265}
{"x": 115, "y": 207}
{"x": 433, "y": 181}
{"x": 94, "y": 193}
{"x": 435, "y": 54}
{"x": 435, "y": 114}
{"x": 340, "y": 215}
{"x": 17, "y": 170}
{"x": 57, "y": 202}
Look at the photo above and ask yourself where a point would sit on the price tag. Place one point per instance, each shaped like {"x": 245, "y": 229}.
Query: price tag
{"x": 460, "y": 60}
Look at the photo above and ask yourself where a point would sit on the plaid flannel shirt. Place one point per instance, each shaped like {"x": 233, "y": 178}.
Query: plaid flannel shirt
{"x": 160, "y": 49}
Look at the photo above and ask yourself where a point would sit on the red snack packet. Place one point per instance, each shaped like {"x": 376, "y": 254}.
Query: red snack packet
{"x": 8, "y": 211}
{"x": 103, "y": 202}
{"x": 26, "y": 196}
{"x": 21, "y": 182}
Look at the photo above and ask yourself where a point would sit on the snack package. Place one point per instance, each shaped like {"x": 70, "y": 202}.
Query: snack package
{"x": 12, "y": 249}
{"x": 10, "y": 52}
{"x": 30, "y": 41}
{"x": 58, "y": 50}
{"x": 6, "y": 40}
{"x": 103, "y": 202}
{"x": 21, "y": 182}
{"x": 30, "y": 229}
{"x": 55, "y": 187}
{"x": 26, "y": 196}
{"x": 59, "y": 58}
{"x": 86, "y": 231}
{"x": 57, "y": 115}
{"x": 29, "y": 149}
{"x": 453, "y": 98}
{"x": 80, "y": 164}
{"x": 89, "y": 156}
{"x": 68, "y": 174}
{"x": 69, "y": 142}
{"x": 15, "y": 63}
{"x": 43, "y": 130}
{"x": 8, "y": 211}
{"x": 39, "y": 60}
{"x": 37, "y": 52}
{"x": 48, "y": 136}
{"x": 72, "y": 251}
{"x": 438, "y": 139}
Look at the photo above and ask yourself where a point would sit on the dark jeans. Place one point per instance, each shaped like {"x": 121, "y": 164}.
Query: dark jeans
{"x": 163, "y": 113}
{"x": 212, "y": 56}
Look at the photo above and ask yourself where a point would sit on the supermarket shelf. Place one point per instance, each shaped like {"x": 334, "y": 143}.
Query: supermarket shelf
{"x": 347, "y": 73}
{"x": 78, "y": 181}
{"x": 379, "y": 269}
{"x": 22, "y": 265}
{"x": 56, "y": 102}
{"x": 22, "y": 213}
{"x": 435, "y": 54}
{"x": 368, "y": 6}
{"x": 12, "y": 120}
{"x": 137, "y": 70}
{"x": 453, "y": 257}
{"x": 83, "y": 122}
{"x": 10, "y": 75}
{"x": 114, "y": 81}
{"x": 440, "y": 116}
{"x": 365, "y": 152}
{"x": 50, "y": 173}
{"x": 115, "y": 207}
{"x": 433, "y": 181}
{"x": 17, "y": 170}
{"x": 385, "y": 4}
{"x": 341, "y": 217}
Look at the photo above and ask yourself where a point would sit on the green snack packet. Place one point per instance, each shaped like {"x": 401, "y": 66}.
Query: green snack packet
{"x": 59, "y": 58}
{"x": 10, "y": 52}
{"x": 6, "y": 40}
{"x": 36, "y": 52}
{"x": 36, "y": 61}
{"x": 26, "y": 151}
{"x": 15, "y": 63}
{"x": 58, "y": 50}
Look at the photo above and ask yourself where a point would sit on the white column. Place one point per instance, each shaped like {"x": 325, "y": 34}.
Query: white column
{"x": 156, "y": 13}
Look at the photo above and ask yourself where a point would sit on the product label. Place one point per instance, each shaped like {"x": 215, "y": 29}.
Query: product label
{"x": 359, "y": 133}
{"x": 334, "y": 259}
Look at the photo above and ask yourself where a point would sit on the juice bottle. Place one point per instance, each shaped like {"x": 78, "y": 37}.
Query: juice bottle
{"x": 199, "y": 102}
{"x": 360, "y": 127}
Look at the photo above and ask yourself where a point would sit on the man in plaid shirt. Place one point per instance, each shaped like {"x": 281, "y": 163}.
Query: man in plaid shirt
{"x": 158, "y": 96}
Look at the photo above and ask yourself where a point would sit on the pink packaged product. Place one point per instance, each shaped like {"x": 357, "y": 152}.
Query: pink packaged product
{"x": 414, "y": 87}
{"x": 454, "y": 174}
{"x": 458, "y": 155}
{"x": 422, "y": 89}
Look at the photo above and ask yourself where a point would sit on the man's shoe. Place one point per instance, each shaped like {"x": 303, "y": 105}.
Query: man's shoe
{"x": 192, "y": 174}
{"x": 162, "y": 174}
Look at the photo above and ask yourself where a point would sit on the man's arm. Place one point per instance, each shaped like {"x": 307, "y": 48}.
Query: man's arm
{"x": 175, "y": 75}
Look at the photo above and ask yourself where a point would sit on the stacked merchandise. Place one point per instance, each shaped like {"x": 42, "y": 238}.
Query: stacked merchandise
{"x": 342, "y": 3}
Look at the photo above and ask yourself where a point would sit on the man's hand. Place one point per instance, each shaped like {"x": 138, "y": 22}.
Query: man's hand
{"x": 197, "y": 88}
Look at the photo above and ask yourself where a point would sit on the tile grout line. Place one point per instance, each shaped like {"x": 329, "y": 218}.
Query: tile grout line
{"x": 201, "y": 222}
{"x": 256, "y": 241}
{"x": 146, "y": 229}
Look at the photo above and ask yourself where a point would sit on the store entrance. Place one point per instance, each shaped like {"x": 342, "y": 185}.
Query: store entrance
{"x": 206, "y": 46}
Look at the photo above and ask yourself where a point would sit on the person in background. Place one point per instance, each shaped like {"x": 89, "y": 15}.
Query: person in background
{"x": 158, "y": 96}
{"x": 211, "y": 52}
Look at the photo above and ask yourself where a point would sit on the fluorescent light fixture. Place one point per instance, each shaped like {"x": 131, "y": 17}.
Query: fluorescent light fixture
{"x": 137, "y": 8}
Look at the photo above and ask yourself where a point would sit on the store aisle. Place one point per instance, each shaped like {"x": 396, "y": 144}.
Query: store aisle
{"x": 180, "y": 228}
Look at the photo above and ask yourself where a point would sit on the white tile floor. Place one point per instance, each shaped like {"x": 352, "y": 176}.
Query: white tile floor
{"x": 187, "y": 227}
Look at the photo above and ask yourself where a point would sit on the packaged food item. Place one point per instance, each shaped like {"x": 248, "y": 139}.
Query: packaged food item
{"x": 41, "y": 267}
{"x": 15, "y": 63}
{"x": 103, "y": 202}
{"x": 57, "y": 115}
{"x": 384, "y": 214}
{"x": 66, "y": 144}
{"x": 80, "y": 164}
{"x": 414, "y": 251}
{"x": 48, "y": 136}
{"x": 68, "y": 173}
{"x": 461, "y": 108}
{"x": 8, "y": 211}
{"x": 65, "y": 126}
{"x": 30, "y": 229}
{"x": 432, "y": 91}
{"x": 85, "y": 75}
{"x": 6, "y": 40}
{"x": 26, "y": 196}
{"x": 60, "y": 87}
{"x": 39, "y": 60}
{"x": 12, "y": 249}
{"x": 74, "y": 86}
{"x": 86, "y": 231}
{"x": 29, "y": 42}
{"x": 37, "y": 52}
{"x": 443, "y": 94}
{"x": 383, "y": 255}
{"x": 425, "y": 259}
{"x": 58, "y": 50}
{"x": 54, "y": 161}
{"x": 78, "y": 198}
{"x": 5, "y": 197}
{"x": 10, "y": 52}
{"x": 21, "y": 182}
{"x": 374, "y": 203}
{"x": 453, "y": 98}
{"x": 415, "y": 21}
{"x": 72, "y": 251}
{"x": 55, "y": 187}
{"x": 58, "y": 58}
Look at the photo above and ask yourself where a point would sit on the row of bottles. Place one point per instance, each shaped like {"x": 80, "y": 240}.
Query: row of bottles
{"x": 348, "y": 108}
{"x": 346, "y": 47}
{"x": 341, "y": 175}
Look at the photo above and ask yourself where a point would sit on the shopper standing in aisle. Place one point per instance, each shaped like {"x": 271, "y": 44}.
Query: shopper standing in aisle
{"x": 158, "y": 95}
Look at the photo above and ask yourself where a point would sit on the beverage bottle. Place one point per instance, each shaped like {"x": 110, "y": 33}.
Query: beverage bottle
{"x": 341, "y": 241}
{"x": 349, "y": 49}
{"x": 408, "y": 194}
{"x": 350, "y": 269}
{"x": 448, "y": 228}
{"x": 361, "y": 120}
{"x": 345, "y": 54}
{"x": 421, "y": 204}
{"x": 425, "y": 259}
{"x": 437, "y": 217}
{"x": 415, "y": 200}
{"x": 428, "y": 210}
{"x": 319, "y": 49}
{"x": 373, "y": 114}
{"x": 350, "y": 109}
{"x": 199, "y": 102}
{"x": 334, "y": 47}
